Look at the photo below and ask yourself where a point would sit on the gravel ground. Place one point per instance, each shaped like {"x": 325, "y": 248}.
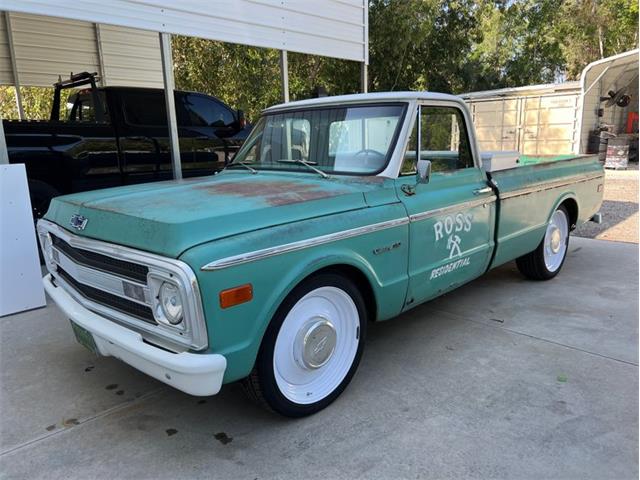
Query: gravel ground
{"x": 619, "y": 209}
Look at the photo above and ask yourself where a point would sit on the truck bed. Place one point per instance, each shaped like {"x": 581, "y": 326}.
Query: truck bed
{"x": 528, "y": 192}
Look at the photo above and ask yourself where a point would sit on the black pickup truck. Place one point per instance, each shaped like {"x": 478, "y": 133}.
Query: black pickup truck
{"x": 117, "y": 136}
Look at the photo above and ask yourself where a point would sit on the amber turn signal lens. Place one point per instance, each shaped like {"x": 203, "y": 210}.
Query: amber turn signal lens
{"x": 236, "y": 295}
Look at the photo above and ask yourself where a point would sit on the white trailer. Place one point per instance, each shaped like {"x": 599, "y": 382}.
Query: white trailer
{"x": 558, "y": 118}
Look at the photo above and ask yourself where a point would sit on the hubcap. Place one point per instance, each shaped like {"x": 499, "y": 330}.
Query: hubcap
{"x": 555, "y": 240}
{"x": 316, "y": 345}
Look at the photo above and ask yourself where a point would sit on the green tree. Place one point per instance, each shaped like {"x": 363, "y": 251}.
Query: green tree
{"x": 36, "y": 103}
{"x": 246, "y": 78}
{"x": 517, "y": 45}
{"x": 592, "y": 29}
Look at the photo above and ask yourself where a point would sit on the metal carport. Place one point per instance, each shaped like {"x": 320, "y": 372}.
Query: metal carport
{"x": 339, "y": 29}
{"x": 597, "y": 80}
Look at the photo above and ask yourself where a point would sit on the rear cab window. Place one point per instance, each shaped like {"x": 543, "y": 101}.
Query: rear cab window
{"x": 82, "y": 109}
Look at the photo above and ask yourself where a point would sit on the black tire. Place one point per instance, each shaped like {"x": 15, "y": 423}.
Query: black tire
{"x": 533, "y": 266}
{"x": 261, "y": 385}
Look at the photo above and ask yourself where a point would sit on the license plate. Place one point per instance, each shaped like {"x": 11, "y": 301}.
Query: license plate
{"x": 84, "y": 338}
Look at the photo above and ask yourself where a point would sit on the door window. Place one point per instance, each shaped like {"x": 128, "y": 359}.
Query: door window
{"x": 144, "y": 108}
{"x": 444, "y": 141}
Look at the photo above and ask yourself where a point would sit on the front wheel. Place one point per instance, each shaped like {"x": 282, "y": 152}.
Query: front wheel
{"x": 546, "y": 261}
{"x": 312, "y": 347}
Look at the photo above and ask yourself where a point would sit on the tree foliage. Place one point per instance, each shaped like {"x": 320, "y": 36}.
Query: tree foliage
{"x": 439, "y": 45}
{"x": 593, "y": 29}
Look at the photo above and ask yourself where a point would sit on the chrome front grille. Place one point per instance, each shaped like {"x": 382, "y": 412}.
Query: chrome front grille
{"x": 121, "y": 304}
{"x": 122, "y": 284}
{"x": 98, "y": 261}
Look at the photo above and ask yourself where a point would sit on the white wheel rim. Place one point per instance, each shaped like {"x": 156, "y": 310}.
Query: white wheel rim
{"x": 307, "y": 372}
{"x": 555, "y": 240}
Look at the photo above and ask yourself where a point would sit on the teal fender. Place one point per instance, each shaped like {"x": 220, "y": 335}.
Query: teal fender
{"x": 237, "y": 332}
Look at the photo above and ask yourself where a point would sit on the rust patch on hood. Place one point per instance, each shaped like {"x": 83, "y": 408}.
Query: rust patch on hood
{"x": 275, "y": 193}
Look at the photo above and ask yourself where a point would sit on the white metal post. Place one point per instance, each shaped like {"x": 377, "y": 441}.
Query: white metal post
{"x": 364, "y": 78}
{"x": 14, "y": 66}
{"x": 103, "y": 79}
{"x": 4, "y": 155}
{"x": 284, "y": 75}
{"x": 169, "y": 87}
{"x": 364, "y": 74}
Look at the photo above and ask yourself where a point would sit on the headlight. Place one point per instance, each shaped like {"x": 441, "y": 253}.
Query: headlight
{"x": 171, "y": 303}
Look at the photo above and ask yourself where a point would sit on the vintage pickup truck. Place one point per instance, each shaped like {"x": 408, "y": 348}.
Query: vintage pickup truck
{"x": 335, "y": 212}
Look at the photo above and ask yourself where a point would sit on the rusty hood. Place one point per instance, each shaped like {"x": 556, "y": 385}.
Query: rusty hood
{"x": 169, "y": 217}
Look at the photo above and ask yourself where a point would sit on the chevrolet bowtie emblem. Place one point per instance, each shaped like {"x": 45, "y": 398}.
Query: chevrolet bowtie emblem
{"x": 78, "y": 221}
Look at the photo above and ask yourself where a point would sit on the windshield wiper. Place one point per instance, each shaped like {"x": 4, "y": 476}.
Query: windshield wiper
{"x": 253, "y": 170}
{"x": 307, "y": 164}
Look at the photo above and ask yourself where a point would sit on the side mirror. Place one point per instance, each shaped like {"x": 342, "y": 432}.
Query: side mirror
{"x": 424, "y": 171}
{"x": 242, "y": 120}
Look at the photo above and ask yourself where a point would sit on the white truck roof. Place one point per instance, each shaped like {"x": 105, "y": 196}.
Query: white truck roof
{"x": 365, "y": 98}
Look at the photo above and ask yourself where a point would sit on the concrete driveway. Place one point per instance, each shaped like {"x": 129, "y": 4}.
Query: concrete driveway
{"x": 503, "y": 378}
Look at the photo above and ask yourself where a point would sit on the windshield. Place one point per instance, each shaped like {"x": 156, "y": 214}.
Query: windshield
{"x": 353, "y": 140}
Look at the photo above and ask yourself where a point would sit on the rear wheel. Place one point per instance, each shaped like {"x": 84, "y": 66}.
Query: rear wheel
{"x": 546, "y": 261}
{"x": 312, "y": 347}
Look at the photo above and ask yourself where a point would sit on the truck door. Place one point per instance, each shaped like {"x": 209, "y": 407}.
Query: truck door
{"x": 144, "y": 136}
{"x": 452, "y": 216}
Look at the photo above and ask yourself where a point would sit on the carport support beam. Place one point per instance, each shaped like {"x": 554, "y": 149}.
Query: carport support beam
{"x": 284, "y": 75}
{"x": 169, "y": 87}
{"x": 364, "y": 78}
{"x": 14, "y": 65}
{"x": 4, "y": 156}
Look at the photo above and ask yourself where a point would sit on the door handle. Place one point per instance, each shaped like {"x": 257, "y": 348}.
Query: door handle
{"x": 480, "y": 191}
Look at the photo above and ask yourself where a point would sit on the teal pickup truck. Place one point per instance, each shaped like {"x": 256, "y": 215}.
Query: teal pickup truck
{"x": 336, "y": 212}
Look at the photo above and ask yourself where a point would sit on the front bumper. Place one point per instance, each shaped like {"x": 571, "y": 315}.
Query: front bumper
{"x": 196, "y": 374}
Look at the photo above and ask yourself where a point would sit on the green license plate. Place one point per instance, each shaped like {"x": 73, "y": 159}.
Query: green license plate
{"x": 84, "y": 337}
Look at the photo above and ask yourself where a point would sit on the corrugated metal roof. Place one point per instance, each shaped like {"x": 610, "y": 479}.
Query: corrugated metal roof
{"x": 131, "y": 57}
{"x": 48, "y": 47}
{"x": 334, "y": 28}
{"x": 6, "y": 71}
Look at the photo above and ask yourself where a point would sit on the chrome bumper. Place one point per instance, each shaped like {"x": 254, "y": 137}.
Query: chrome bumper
{"x": 195, "y": 374}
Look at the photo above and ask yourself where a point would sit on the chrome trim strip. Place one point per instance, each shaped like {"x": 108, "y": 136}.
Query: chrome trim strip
{"x": 194, "y": 335}
{"x": 299, "y": 245}
{"x": 416, "y": 217}
{"x": 548, "y": 186}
